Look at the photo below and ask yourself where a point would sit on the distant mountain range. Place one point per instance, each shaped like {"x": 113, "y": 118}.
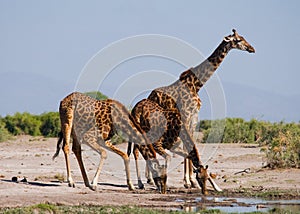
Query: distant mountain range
{"x": 36, "y": 94}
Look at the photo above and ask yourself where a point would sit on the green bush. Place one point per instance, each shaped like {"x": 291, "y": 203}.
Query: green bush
{"x": 281, "y": 144}
{"x": 97, "y": 95}
{"x": 23, "y": 123}
{"x": 4, "y": 133}
{"x": 50, "y": 124}
{"x": 47, "y": 124}
{"x": 230, "y": 130}
{"x": 280, "y": 141}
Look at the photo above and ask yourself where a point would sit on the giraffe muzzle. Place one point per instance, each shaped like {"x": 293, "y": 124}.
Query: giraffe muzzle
{"x": 250, "y": 49}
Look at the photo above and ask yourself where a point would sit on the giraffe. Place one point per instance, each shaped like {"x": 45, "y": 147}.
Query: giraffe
{"x": 183, "y": 93}
{"x": 163, "y": 127}
{"x": 94, "y": 122}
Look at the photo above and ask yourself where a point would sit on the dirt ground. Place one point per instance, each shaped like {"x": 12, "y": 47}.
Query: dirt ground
{"x": 32, "y": 158}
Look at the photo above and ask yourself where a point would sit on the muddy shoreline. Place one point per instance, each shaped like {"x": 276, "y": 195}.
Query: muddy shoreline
{"x": 31, "y": 158}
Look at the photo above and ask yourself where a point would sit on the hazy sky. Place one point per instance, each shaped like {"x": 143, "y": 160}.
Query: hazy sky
{"x": 56, "y": 39}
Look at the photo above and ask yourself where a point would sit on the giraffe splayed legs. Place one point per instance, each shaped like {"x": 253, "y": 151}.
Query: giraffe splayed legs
{"x": 94, "y": 122}
{"x": 163, "y": 128}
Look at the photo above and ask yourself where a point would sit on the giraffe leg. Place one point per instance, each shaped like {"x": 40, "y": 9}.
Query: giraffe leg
{"x": 186, "y": 168}
{"x": 148, "y": 174}
{"x": 138, "y": 173}
{"x": 186, "y": 180}
{"x": 189, "y": 178}
{"x": 66, "y": 144}
{"x": 103, "y": 155}
{"x": 90, "y": 139}
{"x": 194, "y": 183}
{"x": 125, "y": 157}
{"x": 78, "y": 154}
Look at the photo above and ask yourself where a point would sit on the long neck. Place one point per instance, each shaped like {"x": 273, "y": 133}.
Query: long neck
{"x": 206, "y": 69}
{"x": 147, "y": 151}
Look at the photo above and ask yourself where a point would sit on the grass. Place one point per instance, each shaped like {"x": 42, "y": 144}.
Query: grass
{"x": 39, "y": 208}
{"x": 55, "y": 209}
{"x": 268, "y": 194}
{"x": 59, "y": 177}
{"x": 50, "y": 208}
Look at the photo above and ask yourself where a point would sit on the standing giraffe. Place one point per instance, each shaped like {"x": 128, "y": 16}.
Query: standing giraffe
{"x": 163, "y": 127}
{"x": 94, "y": 122}
{"x": 183, "y": 93}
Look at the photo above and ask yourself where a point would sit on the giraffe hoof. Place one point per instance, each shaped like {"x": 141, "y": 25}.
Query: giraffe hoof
{"x": 72, "y": 185}
{"x": 141, "y": 185}
{"x": 194, "y": 185}
{"x": 131, "y": 187}
{"x": 93, "y": 187}
{"x": 187, "y": 186}
{"x": 150, "y": 181}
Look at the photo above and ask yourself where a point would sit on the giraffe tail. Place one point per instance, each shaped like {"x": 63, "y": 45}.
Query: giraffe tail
{"x": 59, "y": 145}
{"x": 129, "y": 146}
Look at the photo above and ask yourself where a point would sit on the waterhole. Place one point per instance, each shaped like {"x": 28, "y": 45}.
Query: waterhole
{"x": 237, "y": 205}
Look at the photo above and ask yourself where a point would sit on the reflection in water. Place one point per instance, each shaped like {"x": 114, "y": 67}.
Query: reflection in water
{"x": 239, "y": 204}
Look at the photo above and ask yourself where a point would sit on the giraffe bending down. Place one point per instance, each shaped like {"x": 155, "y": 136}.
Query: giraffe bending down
{"x": 183, "y": 94}
{"x": 93, "y": 122}
{"x": 163, "y": 128}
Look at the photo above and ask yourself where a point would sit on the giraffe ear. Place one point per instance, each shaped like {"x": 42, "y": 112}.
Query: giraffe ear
{"x": 227, "y": 39}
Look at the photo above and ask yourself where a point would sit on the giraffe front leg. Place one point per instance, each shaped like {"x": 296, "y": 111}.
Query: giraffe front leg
{"x": 186, "y": 179}
{"x": 193, "y": 181}
{"x": 138, "y": 173}
{"x": 148, "y": 174}
{"x": 125, "y": 157}
{"x": 129, "y": 183}
{"x": 96, "y": 177}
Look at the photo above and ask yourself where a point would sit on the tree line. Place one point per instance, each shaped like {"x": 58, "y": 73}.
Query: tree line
{"x": 279, "y": 141}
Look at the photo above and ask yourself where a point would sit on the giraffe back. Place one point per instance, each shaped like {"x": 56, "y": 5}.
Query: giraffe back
{"x": 106, "y": 117}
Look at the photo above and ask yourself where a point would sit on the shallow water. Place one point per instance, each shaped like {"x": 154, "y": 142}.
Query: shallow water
{"x": 239, "y": 204}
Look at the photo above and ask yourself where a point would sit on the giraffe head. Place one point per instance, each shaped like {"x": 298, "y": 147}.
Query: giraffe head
{"x": 159, "y": 173}
{"x": 202, "y": 176}
{"x": 238, "y": 42}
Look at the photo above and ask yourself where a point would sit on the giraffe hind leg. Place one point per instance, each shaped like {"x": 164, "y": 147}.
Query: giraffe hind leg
{"x": 66, "y": 130}
{"x": 78, "y": 154}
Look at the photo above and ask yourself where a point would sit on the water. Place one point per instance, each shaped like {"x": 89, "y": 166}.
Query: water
{"x": 237, "y": 205}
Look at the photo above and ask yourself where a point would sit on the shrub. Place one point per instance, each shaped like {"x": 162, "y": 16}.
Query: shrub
{"x": 280, "y": 141}
{"x": 4, "y": 133}
{"x": 97, "y": 95}
{"x": 230, "y": 130}
{"x": 23, "y": 123}
{"x": 282, "y": 145}
{"x": 50, "y": 124}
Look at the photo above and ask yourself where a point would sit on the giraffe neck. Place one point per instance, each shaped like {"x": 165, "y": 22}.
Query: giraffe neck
{"x": 147, "y": 151}
{"x": 206, "y": 69}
